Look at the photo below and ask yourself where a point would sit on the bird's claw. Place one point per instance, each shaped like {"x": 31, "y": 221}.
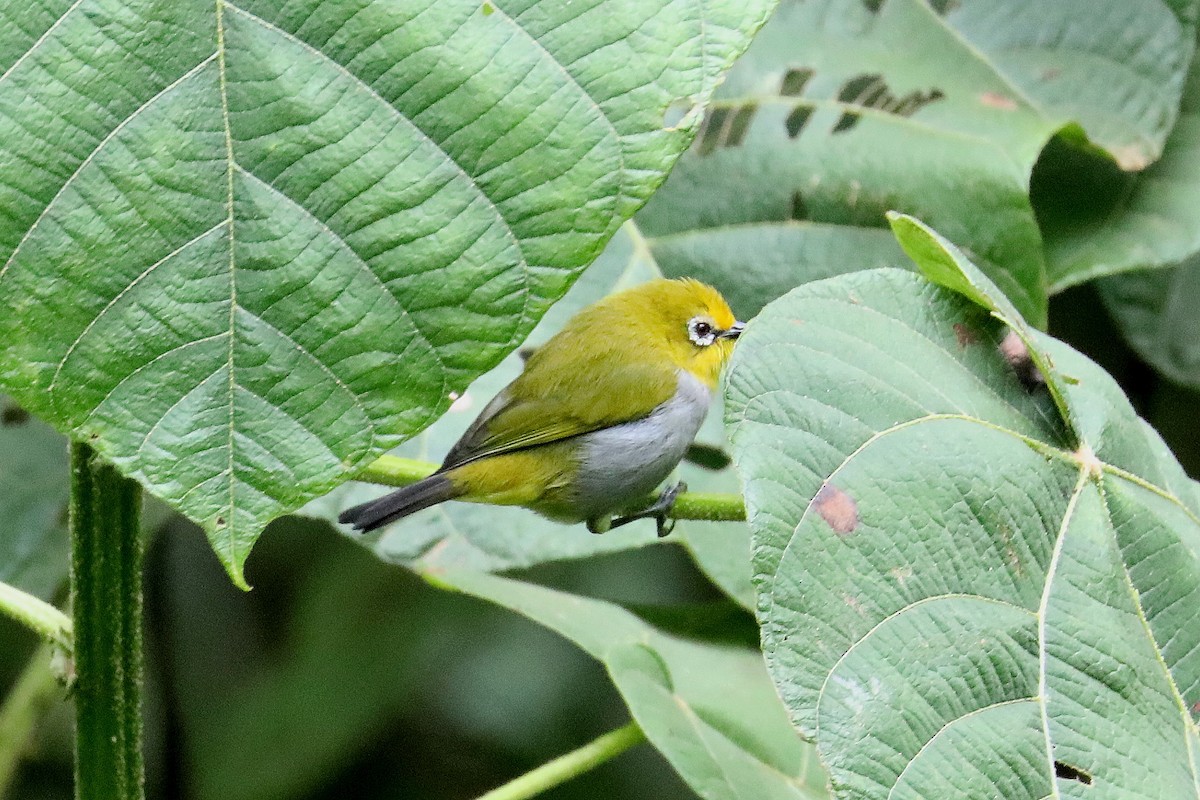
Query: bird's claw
{"x": 659, "y": 510}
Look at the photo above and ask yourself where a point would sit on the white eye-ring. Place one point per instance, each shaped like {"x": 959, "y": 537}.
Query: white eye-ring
{"x": 701, "y": 331}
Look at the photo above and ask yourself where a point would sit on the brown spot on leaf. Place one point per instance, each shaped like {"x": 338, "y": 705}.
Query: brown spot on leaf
{"x": 1131, "y": 158}
{"x": 220, "y": 522}
{"x": 837, "y": 508}
{"x": 997, "y": 100}
{"x": 854, "y": 603}
{"x": 1010, "y": 552}
{"x": 964, "y": 334}
{"x": 1051, "y": 73}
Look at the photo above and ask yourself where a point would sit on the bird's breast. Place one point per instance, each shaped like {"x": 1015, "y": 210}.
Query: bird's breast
{"x": 623, "y": 463}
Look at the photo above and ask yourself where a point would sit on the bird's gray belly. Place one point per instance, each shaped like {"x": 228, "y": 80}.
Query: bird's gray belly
{"x": 624, "y": 463}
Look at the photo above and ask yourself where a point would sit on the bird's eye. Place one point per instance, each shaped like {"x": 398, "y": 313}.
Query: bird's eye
{"x": 701, "y": 332}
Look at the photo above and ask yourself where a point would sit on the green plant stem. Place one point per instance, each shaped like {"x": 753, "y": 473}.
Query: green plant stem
{"x": 34, "y": 693}
{"x": 106, "y": 596}
{"x": 393, "y": 471}
{"x": 44, "y": 619}
{"x": 568, "y": 766}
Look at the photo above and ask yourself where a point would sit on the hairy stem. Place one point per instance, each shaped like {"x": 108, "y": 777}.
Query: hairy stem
{"x": 393, "y": 471}
{"x": 574, "y": 763}
{"x": 106, "y": 591}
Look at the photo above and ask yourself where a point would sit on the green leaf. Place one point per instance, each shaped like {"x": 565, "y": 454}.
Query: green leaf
{"x": 967, "y": 587}
{"x": 844, "y": 109}
{"x": 1156, "y": 312}
{"x": 33, "y": 503}
{"x": 1100, "y": 221}
{"x": 494, "y": 538}
{"x": 248, "y": 247}
{"x": 1119, "y": 75}
{"x": 709, "y": 709}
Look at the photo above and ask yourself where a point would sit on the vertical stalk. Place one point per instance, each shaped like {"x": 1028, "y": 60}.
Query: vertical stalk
{"x": 106, "y": 592}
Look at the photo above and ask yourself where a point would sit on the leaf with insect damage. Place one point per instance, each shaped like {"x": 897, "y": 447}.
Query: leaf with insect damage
{"x": 970, "y": 583}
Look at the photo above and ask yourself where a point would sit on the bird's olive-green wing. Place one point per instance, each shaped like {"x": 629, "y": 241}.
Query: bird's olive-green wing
{"x": 541, "y": 407}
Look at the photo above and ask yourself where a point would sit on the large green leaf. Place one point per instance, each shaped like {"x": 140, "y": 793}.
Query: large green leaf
{"x": 492, "y": 538}
{"x": 969, "y": 585}
{"x": 1116, "y": 67}
{"x": 1099, "y": 221}
{"x": 844, "y": 109}
{"x": 248, "y": 247}
{"x": 710, "y": 709}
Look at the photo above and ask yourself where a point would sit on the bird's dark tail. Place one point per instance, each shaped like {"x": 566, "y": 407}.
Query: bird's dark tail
{"x": 400, "y": 503}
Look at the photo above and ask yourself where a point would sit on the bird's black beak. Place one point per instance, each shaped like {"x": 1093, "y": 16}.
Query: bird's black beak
{"x": 735, "y": 330}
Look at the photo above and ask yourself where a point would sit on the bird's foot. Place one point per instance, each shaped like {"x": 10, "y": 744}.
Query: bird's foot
{"x": 659, "y": 510}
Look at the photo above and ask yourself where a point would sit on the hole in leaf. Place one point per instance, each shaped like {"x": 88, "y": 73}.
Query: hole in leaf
{"x": 724, "y": 126}
{"x": 710, "y": 133}
{"x": 944, "y": 7}
{"x": 873, "y": 5}
{"x": 679, "y": 113}
{"x": 220, "y": 522}
{"x": 797, "y": 120}
{"x": 860, "y": 86}
{"x": 794, "y": 81}
{"x": 799, "y": 209}
{"x": 870, "y": 90}
{"x": 847, "y": 121}
{"x": 739, "y": 124}
{"x": 1068, "y": 773}
{"x": 913, "y": 102}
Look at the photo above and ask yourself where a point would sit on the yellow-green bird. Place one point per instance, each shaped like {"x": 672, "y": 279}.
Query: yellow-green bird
{"x": 601, "y": 415}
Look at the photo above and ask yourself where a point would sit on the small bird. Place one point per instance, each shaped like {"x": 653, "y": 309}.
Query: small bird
{"x": 600, "y": 416}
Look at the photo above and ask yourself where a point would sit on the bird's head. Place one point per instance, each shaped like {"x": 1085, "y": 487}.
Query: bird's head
{"x": 684, "y": 321}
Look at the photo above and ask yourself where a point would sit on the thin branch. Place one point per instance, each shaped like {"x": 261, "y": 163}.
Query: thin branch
{"x": 42, "y": 618}
{"x": 394, "y": 471}
{"x": 573, "y": 764}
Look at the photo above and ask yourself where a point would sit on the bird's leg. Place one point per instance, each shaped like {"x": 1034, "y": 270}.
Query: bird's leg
{"x": 660, "y": 510}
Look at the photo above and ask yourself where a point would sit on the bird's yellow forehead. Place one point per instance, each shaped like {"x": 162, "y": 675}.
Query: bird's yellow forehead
{"x": 712, "y": 301}
{"x": 680, "y": 300}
